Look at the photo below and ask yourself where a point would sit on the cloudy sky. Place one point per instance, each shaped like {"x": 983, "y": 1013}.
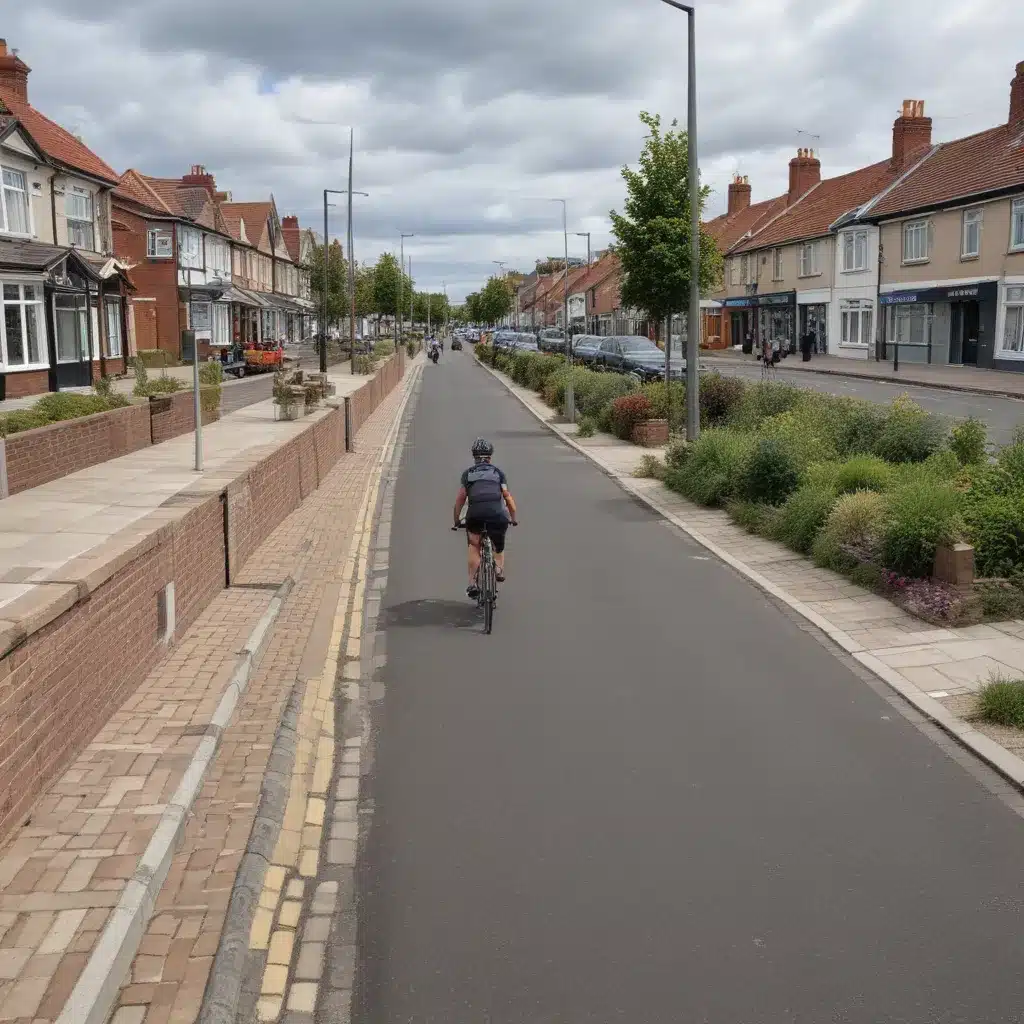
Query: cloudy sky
{"x": 468, "y": 112}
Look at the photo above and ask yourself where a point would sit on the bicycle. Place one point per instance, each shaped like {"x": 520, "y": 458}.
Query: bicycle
{"x": 768, "y": 367}
{"x": 486, "y": 577}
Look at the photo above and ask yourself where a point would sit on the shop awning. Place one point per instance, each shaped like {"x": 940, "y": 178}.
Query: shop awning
{"x": 234, "y": 294}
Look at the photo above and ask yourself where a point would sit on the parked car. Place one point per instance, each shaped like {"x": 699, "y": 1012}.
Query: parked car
{"x": 524, "y": 343}
{"x": 584, "y": 348}
{"x": 550, "y": 339}
{"x": 504, "y": 339}
{"x": 472, "y": 336}
{"x": 639, "y": 356}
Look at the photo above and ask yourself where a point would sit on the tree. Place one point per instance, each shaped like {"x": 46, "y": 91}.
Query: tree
{"x": 495, "y": 300}
{"x": 437, "y": 307}
{"x": 337, "y": 287}
{"x": 364, "y": 291}
{"x": 473, "y": 309}
{"x": 386, "y": 277}
{"x": 653, "y": 233}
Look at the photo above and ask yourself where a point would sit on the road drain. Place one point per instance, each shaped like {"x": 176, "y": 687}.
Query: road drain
{"x": 255, "y": 586}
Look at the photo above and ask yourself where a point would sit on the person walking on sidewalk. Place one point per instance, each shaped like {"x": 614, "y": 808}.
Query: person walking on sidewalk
{"x": 484, "y": 494}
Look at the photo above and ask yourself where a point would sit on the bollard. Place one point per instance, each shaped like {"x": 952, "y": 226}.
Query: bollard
{"x": 348, "y": 423}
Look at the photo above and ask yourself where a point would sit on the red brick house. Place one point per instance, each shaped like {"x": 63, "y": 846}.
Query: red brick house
{"x": 63, "y": 321}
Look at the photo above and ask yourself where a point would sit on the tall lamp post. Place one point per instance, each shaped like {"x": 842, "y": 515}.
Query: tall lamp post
{"x": 586, "y": 235}
{"x": 400, "y": 308}
{"x": 693, "y": 319}
{"x": 500, "y": 264}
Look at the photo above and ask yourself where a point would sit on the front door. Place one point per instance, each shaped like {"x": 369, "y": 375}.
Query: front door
{"x": 71, "y": 326}
{"x": 964, "y": 321}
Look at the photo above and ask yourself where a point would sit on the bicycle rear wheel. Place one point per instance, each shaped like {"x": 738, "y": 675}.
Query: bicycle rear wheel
{"x": 488, "y": 583}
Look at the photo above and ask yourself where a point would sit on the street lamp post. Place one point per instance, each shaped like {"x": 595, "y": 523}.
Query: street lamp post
{"x": 693, "y": 319}
{"x": 586, "y": 235}
{"x": 400, "y": 308}
{"x": 327, "y": 260}
{"x": 500, "y": 264}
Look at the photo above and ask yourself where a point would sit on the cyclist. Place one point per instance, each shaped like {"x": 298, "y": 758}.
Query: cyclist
{"x": 483, "y": 492}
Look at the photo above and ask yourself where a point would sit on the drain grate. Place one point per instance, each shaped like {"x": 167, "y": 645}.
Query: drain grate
{"x": 256, "y": 586}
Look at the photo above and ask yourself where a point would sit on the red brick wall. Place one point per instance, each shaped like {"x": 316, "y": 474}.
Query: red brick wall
{"x": 198, "y": 560}
{"x": 158, "y": 326}
{"x": 173, "y": 415}
{"x": 375, "y": 390}
{"x": 37, "y": 456}
{"x": 114, "y": 367}
{"x": 31, "y": 382}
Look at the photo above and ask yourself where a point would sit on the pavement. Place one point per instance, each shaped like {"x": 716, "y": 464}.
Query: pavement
{"x": 44, "y": 528}
{"x": 993, "y": 396}
{"x": 656, "y": 792}
{"x": 122, "y": 891}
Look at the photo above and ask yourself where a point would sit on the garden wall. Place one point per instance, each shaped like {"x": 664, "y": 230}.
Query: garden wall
{"x": 74, "y": 647}
{"x": 174, "y": 415}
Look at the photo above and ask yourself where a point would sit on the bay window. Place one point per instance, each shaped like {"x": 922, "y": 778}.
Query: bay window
{"x": 23, "y": 326}
{"x": 856, "y": 322}
{"x": 78, "y": 208}
{"x": 14, "y": 201}
{"x": 1013, "y": 331}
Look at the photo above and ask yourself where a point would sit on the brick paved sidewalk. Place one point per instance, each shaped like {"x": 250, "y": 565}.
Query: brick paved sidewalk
{"x": 66, "y": 869}
{"x": 948, "y": 378}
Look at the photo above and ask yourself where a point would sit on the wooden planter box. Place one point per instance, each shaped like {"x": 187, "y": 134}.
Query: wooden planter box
{"x": 651, "y": 433}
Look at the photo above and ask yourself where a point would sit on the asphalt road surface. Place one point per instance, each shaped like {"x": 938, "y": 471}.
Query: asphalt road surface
{"x": 650, "y": 796}
{"x": 1002, "y": 415}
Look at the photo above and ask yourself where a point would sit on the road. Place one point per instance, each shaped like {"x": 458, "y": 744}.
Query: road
{"x": 649, "y": 796}
{"x": 1001, "y": 414}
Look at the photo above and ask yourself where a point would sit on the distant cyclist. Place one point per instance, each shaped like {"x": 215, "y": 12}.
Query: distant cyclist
{"x": 483, "y": 492}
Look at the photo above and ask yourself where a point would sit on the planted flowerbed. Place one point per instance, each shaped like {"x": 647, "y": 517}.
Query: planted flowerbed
{"x": 868, "y": 490}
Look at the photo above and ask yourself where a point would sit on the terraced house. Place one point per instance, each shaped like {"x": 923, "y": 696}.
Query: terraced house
{"x": 62, "y": 291}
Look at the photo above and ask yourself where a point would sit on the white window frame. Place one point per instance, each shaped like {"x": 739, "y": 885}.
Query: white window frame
{"x": 920, "y": 231}
{"x": 5, "y": 219}
{"x": 115, "y": 327}
{"x": 854, "y": 248}
{"x": 778, "y": 265}
{"x": 856, "y": 323}
{"x": 810, "y": 264}
{"x": 1013, "y": 311}
{"x": 71, "y": 194}
{"x": 82, "y": 347}
{"x": 926, "y": 310}
{"x": 221, "y": 334}
{"x": 1017, "y": 225}
{"x": 190, "y": 247}
{"x": 971, "y": 218}
{"x": 155, "y": 237}
{"x": 43, "y": 362}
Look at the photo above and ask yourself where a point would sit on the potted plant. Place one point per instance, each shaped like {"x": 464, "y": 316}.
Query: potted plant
{"x": 286, "y": 404}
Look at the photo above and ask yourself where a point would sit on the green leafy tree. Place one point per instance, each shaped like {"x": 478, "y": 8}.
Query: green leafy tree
{"x": 495, "y": 300}
{"x": 337, "y": 271}
{"x": 386, "y": 278}
{"x": 653, "y": 233}
{"x": 473, "y": 308}
{"x": 364, "y": 291}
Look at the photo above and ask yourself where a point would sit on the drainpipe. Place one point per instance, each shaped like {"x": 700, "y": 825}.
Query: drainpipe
{"x": 879, "y": 319}
{"x": 53, "y": 206}
{"x": 101, "y": 322}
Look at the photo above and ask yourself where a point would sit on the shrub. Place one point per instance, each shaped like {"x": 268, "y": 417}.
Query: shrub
{"x": 863, "y": 473}
{"x": 661, "y": 396}
{"x": 967, "y": 441}
{"x": 483, "y": 352}
{"x": 769, "y": 474}
{"x": 596, "y": 391}
{"x": 650, "y": 468}
{"x": 62, "y": 405}
{"x": 868, "y": 576}
{"x": 1001, "y": 602}
{"x": 383, "y": 349}
{"x": 410, "y": 349}
{"x": 211, "y": 373}
{"x": 918, "y": 518}
{"x": 677, "y": 452}
{"x": 753, "y": 516}
{"x": 719, "y": 397}
{"x": 154, "y": 358}
{"x": 587, "y": 427}
{"x": 540, "y": 368}
{"x": 21, "y": 419}
{"x": 520, "y": 367}
{"x": 1011, "y": 459}
{"x": 1002, "y": 703}
{"x": 851, "y": 532}
{"x": 364, "y": 364}
{"x": 909, "y": 434}
{"x": 995, "y": 526}
{"x": 104, "y": 387}
{"x": 710, "y": 472}
{"x": 626, "y": 412}
{"x": 929, "y": 600}
{"x": 161, "y": 386}
{"x": 141, "y": 376}
{"x": 802, "y": 516}
{"x": 761, "y": 401}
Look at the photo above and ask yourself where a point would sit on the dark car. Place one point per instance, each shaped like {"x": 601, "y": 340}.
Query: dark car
{"x": 503, "y": 339}
{"x": 524, "y": 343}
{"x": 639, "y": 356}
{"x": 551, "y": 339}
{"x": 585, "y": 347}
{"x": 456, "y": 345}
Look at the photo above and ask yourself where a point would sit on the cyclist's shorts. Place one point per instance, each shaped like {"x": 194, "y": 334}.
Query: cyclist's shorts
{"x": 496, "y": 530}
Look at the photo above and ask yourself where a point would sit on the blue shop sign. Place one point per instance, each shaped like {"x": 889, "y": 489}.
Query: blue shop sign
{"x": 982, "y": 291}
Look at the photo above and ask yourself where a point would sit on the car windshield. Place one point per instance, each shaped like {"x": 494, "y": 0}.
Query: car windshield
{"x": 637, "y": 345}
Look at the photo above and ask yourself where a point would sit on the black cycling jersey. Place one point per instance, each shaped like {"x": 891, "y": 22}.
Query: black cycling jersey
{"x": 483, "y": 482}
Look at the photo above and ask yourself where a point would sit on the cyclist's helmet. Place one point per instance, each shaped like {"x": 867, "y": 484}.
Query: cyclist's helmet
{"x": 482, "y": 448}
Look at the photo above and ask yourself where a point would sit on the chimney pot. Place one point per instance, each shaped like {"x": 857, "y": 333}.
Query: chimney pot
{"x": 739, "y": 194}
{"x": 1017, "y": 98}
{"x": 911, "y": 135}
{"x": 804, "y": 174}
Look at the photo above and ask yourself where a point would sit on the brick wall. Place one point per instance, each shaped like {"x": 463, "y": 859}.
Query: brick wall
{"x": 35, "y": 457}
{"x": 158, "y": 323}
{"x": 114, "y": 367}
{"x": 31, "y": 382}
{"x": 375, "y": 390}
{"x": 63, "y": 681}
{"x": 174, "y": 415}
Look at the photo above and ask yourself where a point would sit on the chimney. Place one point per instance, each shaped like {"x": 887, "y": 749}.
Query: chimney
{"x": 1017, "y": 98}
{"x": 804, "y": 173}
{"x": 222, "y": 197}
{"x": 911, "y": 135}
{"x": 739, "y": 194}
{"x": 13, "y": 72}
{"x": 289, "y": 223}
{"x": 198, "y": 176}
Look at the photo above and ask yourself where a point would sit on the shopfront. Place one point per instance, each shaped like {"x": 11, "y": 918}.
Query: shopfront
{"x": 812, "y": 310}
{"x": 738, "y": 321}
{"x": 776, "y": 320}
{"x": 947, "y": 325}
